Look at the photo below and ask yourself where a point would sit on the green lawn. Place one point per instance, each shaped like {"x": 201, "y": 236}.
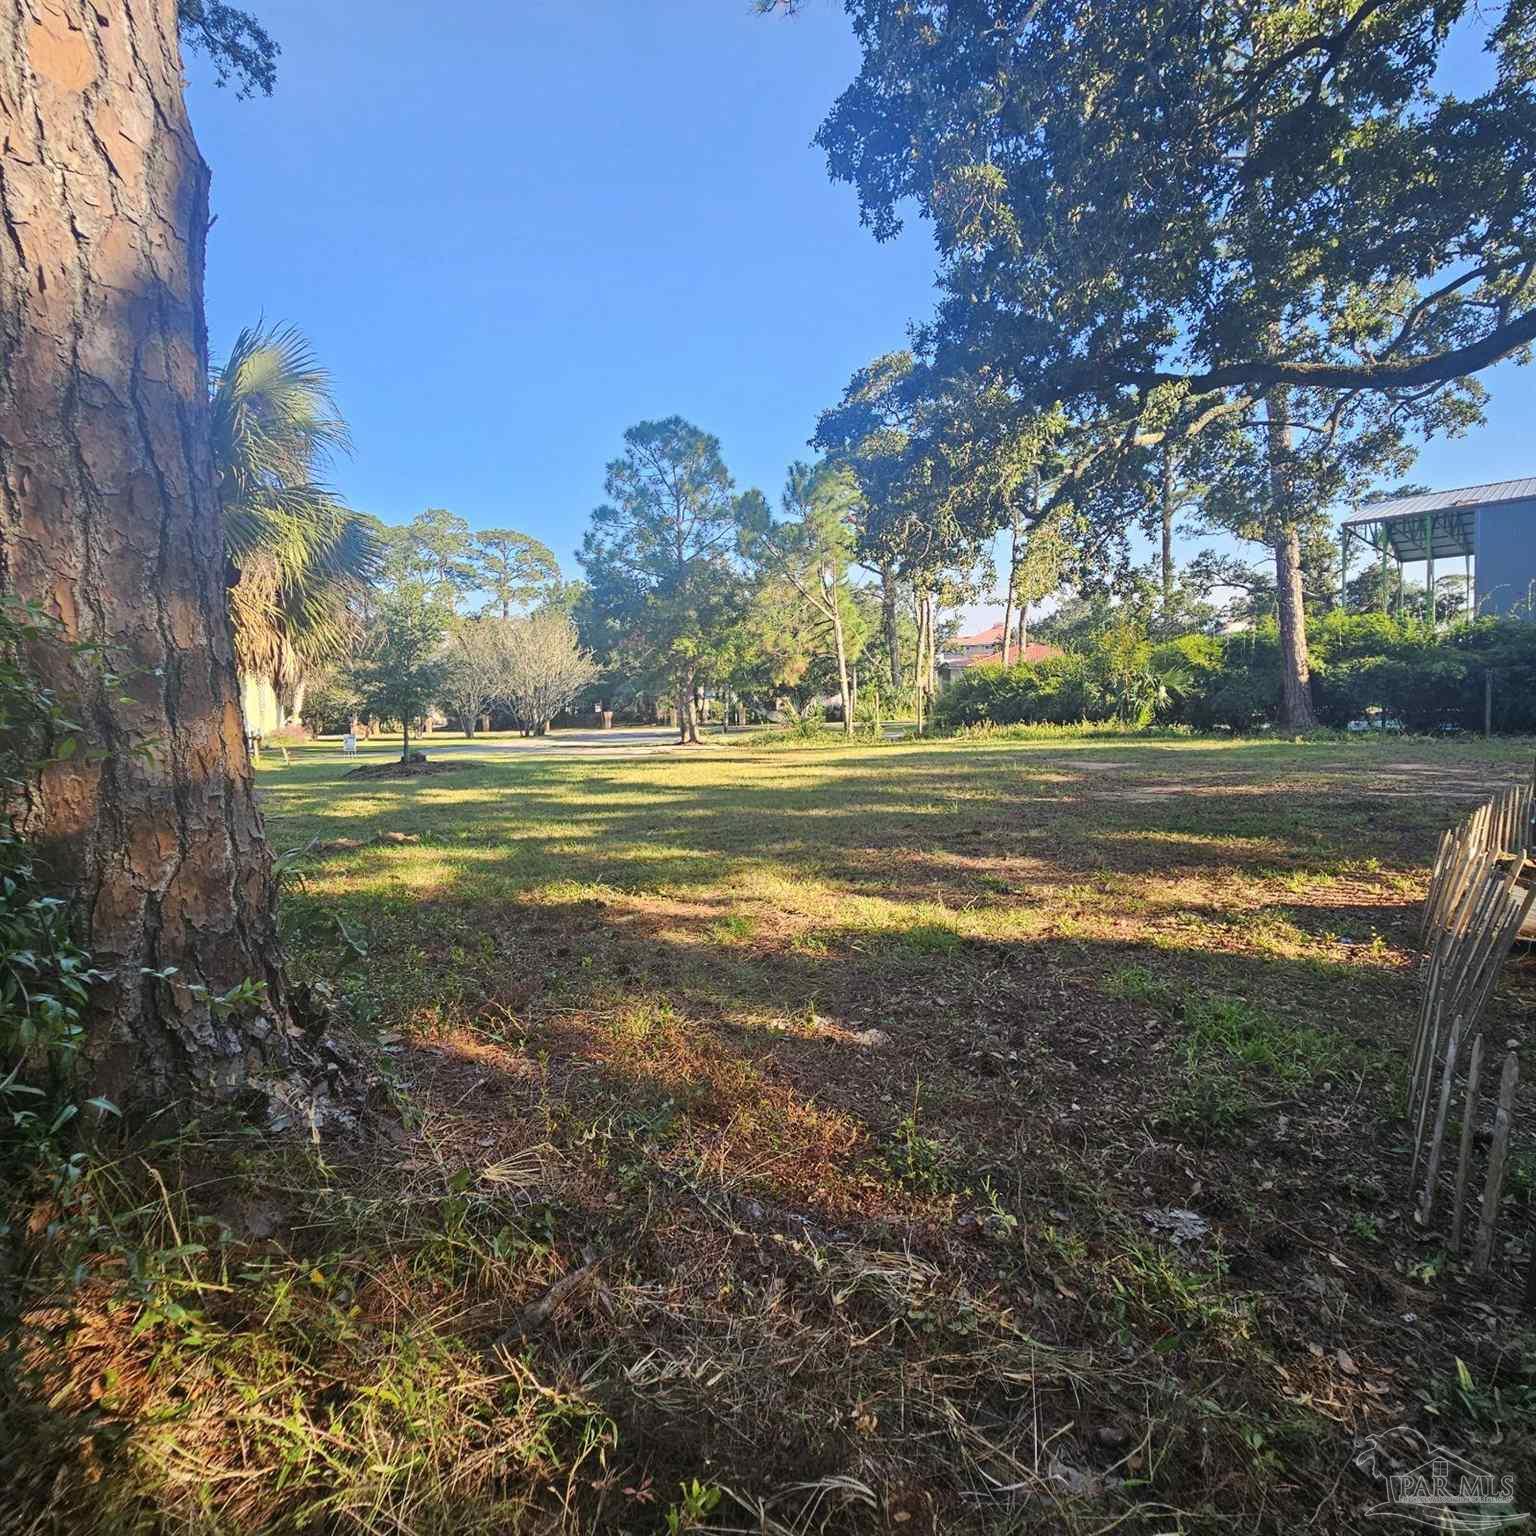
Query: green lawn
{"x": 785, "y": 1141}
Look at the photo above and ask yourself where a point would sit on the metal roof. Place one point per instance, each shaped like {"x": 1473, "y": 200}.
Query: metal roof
{"x": 1468, "y": 496}
{"x": 1449, "y": 517}
{"x": 1450, "y": 534}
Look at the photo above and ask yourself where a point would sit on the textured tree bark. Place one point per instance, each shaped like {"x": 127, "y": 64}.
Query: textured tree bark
{"x": 1296, "y": 712}
{"x": 108, "y": 520}
{"x": 920, "y": 664}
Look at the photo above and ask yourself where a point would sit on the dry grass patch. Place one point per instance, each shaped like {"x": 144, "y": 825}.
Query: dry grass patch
{"x": 986, "y": 1137}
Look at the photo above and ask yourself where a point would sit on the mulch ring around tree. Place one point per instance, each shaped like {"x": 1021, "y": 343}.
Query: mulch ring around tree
{"x": 402, "y": 770}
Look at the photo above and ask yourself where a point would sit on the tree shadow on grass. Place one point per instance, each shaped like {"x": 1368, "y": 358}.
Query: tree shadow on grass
{"x": 659, "y": 998}
{"x": 799, "y": 1231}
{"x": 898, "y": 836}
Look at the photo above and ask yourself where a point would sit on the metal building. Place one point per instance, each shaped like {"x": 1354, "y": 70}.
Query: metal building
{"x": 1487, "y": 532}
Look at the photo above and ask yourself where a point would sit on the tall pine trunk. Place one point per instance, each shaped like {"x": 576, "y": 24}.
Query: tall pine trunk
{"x": 1170, "y": 498}
{"x": 843, "y": 688}
{"x": 917, "y": 666}
{"x": 108, "y": 521}
{"x": 1296, "y": 712}
{"x": 892, "y": 630}
{"x": 1013, "y": 577}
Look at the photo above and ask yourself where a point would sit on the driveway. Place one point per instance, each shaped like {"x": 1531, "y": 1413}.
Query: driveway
{"x": 623, "y": 741}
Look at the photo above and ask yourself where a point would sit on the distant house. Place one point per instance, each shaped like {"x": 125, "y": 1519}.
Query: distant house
{"x": 972, "y": 650}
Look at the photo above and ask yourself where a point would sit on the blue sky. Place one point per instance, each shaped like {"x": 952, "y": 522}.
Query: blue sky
{"x": 513, "y": 229}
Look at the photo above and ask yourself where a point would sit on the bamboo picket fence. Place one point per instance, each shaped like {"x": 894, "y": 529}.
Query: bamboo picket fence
{"x": 1481, "y": 895}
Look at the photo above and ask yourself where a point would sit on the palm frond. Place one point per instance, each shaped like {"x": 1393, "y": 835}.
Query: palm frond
{"x": 274, "y": 417}
{"x": 301, "y": 554}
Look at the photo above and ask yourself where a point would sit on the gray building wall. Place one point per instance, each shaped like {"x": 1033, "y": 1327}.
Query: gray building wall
{"x": 1505, "y": 570}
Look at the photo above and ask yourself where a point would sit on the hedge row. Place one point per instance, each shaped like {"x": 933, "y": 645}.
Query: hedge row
{"x": 1360, "y": 663}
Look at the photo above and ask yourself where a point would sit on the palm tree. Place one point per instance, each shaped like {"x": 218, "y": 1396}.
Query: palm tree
{"x": 299, "y": 554}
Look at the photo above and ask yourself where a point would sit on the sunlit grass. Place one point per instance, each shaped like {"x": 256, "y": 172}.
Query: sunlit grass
{"x": 784, "y": 1123}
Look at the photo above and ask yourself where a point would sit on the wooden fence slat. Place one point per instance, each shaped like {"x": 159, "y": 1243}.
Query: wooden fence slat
{"x": 1517, "y": 907}
{"x": 1437, "y": 1140}
{"x": 1445, "y": 988}
{"x": 1475, "y": 906}
{"x": 1437, "y": 878}
{"x": 1493, "y": 1190}
{"x": 1468, "y": 1125}
{"x": 1442, "y": 958}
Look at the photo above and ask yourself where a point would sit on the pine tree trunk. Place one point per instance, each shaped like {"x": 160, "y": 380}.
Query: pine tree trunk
{"x": 931, "y": 672}
{"x": 842, "y": 666}
{"x": 1034, "y": 524}
{"x": 1169, "y": 499}
{"x": 919, "y": 659}
{"x": 108, "y": 520}
{"x": 1296, "y": 712}
{"x": 1013, "y": 577}
{"x": 888, "y": 617}
{"x": 917, "y": 649}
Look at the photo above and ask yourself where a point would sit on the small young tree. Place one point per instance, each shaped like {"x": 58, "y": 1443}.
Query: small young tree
{"x": 543, "y": 668}
{"x": 404, "y": 672}
{"x": 331, "y": 699}
{"x": 1038, "y": 568}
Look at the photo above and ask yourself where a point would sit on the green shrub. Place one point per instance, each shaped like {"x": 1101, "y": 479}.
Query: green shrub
{"x": 1056, "y": 691}
{"x": 1361, "y": 662}
{"x": 45, "y": 977}
{"x": 1426, "y": 680}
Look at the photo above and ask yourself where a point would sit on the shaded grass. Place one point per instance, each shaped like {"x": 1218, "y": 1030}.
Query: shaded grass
{"x": 835, "y": 1088}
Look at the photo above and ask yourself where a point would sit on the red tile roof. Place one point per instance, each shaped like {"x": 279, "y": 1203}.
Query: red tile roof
{"x": 1033, "y": 651}
{"x": 993, "y": 636}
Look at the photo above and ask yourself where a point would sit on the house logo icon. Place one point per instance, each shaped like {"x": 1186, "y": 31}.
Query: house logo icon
{"x": 1449, "y": 1494}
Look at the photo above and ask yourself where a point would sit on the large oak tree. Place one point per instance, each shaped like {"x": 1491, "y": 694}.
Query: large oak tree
{"x": 108, "y": 519}
{"x": 1173, "y": 209}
